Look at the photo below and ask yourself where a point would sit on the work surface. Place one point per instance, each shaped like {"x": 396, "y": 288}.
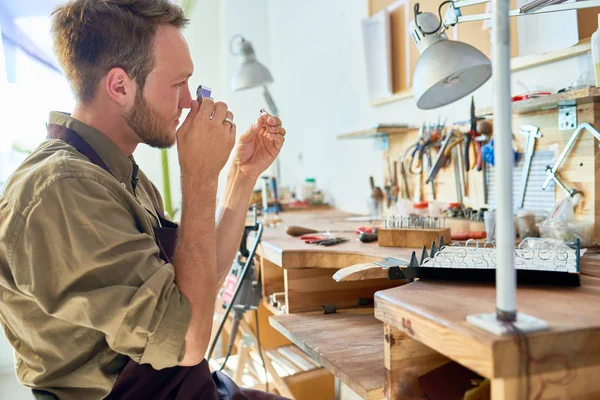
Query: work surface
{"x": 351, "y": 343}
{"x": 290, "y": 252}
{"x": 434, "y": 313}
{"x": 348, "y": 343}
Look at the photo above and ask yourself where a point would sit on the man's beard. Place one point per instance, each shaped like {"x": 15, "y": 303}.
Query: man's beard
{"x": 151, "y": 128}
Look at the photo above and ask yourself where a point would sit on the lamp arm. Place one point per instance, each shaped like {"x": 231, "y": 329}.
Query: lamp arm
{"x": 270, "y": 101}
{"x": 454, "y": 15}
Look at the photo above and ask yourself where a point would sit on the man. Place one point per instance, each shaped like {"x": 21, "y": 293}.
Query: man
{"x": 97, "y": 299}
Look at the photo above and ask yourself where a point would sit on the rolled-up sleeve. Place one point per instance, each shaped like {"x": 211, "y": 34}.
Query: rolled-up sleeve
{"x": 83, "y": 257}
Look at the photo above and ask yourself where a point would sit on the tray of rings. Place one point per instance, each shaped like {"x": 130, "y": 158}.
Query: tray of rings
{"x": 536, "y": 261}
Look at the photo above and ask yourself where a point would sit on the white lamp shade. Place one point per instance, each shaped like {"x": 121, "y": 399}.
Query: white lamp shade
{"x": 250, "y": 74}
{"x": 447, "y": 71}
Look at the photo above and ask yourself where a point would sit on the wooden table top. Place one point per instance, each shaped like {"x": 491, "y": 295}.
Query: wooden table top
{"x": 348, "y": 343}
{"x": 434, "y": 313}
{"x": 290, "y": 252}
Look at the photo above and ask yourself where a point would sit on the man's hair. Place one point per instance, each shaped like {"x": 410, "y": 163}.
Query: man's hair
{"x": 93, "y": 36}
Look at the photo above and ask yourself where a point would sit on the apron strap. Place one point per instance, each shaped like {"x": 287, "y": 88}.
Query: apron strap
{"x": 166, "y": 234}
{"x": 71, "y": 137}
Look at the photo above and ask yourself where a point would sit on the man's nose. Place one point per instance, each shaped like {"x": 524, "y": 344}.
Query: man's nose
{"x": 185, "y": 97}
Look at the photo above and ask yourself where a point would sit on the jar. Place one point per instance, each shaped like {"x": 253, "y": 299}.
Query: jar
{"x": 421, "y": 208}
{"x": 308, "y": 188}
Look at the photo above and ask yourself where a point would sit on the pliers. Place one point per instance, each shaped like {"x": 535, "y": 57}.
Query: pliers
{"x": 471, "y": 138}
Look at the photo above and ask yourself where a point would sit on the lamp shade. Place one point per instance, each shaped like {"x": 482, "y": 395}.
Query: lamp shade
{"x": 447, "y": 71}
{"x": 250, "y": 73}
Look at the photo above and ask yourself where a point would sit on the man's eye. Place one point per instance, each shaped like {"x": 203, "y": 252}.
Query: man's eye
{"x": 180, "y": 84}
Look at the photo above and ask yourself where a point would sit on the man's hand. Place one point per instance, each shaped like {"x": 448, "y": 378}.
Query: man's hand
{"x": 259, "y": 146}
{"x": 204, "y": 143}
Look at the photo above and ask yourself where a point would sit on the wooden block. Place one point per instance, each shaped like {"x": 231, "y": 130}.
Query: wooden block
{"x": 412, "y": 238}
{"x": 272, "y": 277}
{"x": 308, "y": 289}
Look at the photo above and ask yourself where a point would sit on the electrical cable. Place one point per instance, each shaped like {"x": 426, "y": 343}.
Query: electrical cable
{"x": 249, "y": 260}
{"x": 260, "y": 353}
{"x": 237, "y": 317}
{"x": 417, "y": 12}
{"x": 522, "y": 342}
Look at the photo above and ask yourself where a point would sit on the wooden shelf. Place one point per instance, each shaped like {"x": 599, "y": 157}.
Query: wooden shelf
{"x": 573, "y": 97}
{"x": 520, "y": 63}
{"x": 378, "y": 131}
{"x": 405, "y": 94}
{"x": 348, "y": 343}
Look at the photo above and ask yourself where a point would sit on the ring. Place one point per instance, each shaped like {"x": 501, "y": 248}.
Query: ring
{"x": 228, "y": 120}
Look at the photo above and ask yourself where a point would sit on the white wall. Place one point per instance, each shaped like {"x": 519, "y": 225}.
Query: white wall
{"x": 314, "y": 51}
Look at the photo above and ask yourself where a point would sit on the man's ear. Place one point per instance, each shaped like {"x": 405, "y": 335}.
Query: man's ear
{"x": 120, "y": 87}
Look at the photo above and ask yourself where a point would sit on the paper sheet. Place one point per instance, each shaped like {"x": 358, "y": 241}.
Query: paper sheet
{"x": 377, "y": 50}
{"x": 543, "y": 33}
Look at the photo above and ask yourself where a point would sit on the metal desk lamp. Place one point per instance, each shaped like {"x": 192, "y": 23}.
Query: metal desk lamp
{"x": 250, "y": 74}
{"x": 448, "y": 71}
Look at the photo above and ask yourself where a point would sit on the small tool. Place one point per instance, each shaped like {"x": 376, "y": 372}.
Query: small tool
{"x": 332, "y": 242}
{"x": 532, "y": 133}
{"x": 202, "y": 92}
{"x": 414, "y": 222}
{"x": 395, "y": 187}
{"x": 459, "y": 175}
{"x": 470, "y": 139}
{"x": 296, "y": 231}
{"x": 449, "y": 142}
{"x": 552, "y": 171}
{"x": 405, "y": 188}
{"x": 368, "y": 237}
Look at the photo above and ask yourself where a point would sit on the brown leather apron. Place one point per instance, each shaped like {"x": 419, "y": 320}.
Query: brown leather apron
{"x": 141, "y": 381}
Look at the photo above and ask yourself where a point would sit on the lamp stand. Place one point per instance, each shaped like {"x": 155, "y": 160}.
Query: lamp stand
{"x": 506, "y": 277}
{"x": 489, "y": 322}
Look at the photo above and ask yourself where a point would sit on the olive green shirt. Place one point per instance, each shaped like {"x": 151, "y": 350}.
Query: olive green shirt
{"x": 82, "y": 287}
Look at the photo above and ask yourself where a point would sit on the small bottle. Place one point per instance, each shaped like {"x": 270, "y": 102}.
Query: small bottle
{"x": 310, "y": 184}
{"x": 596, "y": 52}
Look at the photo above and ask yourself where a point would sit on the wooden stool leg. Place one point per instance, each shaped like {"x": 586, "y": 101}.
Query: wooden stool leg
{"x": 249, "y": 341}
{"x": 242, "y": 360}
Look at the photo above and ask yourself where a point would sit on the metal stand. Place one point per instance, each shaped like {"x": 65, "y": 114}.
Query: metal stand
{"x": 506, "y": 285}
{"x": 489, "y": 322}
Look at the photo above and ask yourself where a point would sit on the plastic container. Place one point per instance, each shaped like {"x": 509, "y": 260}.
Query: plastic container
{"x": 526, "y": 224}
{"x": 308, "y": 188}
{"x": 421, "y": 208}
{"x": 566, "y": 232}
{"x": 489, "y": 218}
{"x": 596, "y": 52}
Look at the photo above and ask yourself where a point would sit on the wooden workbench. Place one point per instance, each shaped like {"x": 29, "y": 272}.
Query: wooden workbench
{"x": 348, "y": 343}
{"x": 423, "y": 325}
{"x": 290, "y": 253}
